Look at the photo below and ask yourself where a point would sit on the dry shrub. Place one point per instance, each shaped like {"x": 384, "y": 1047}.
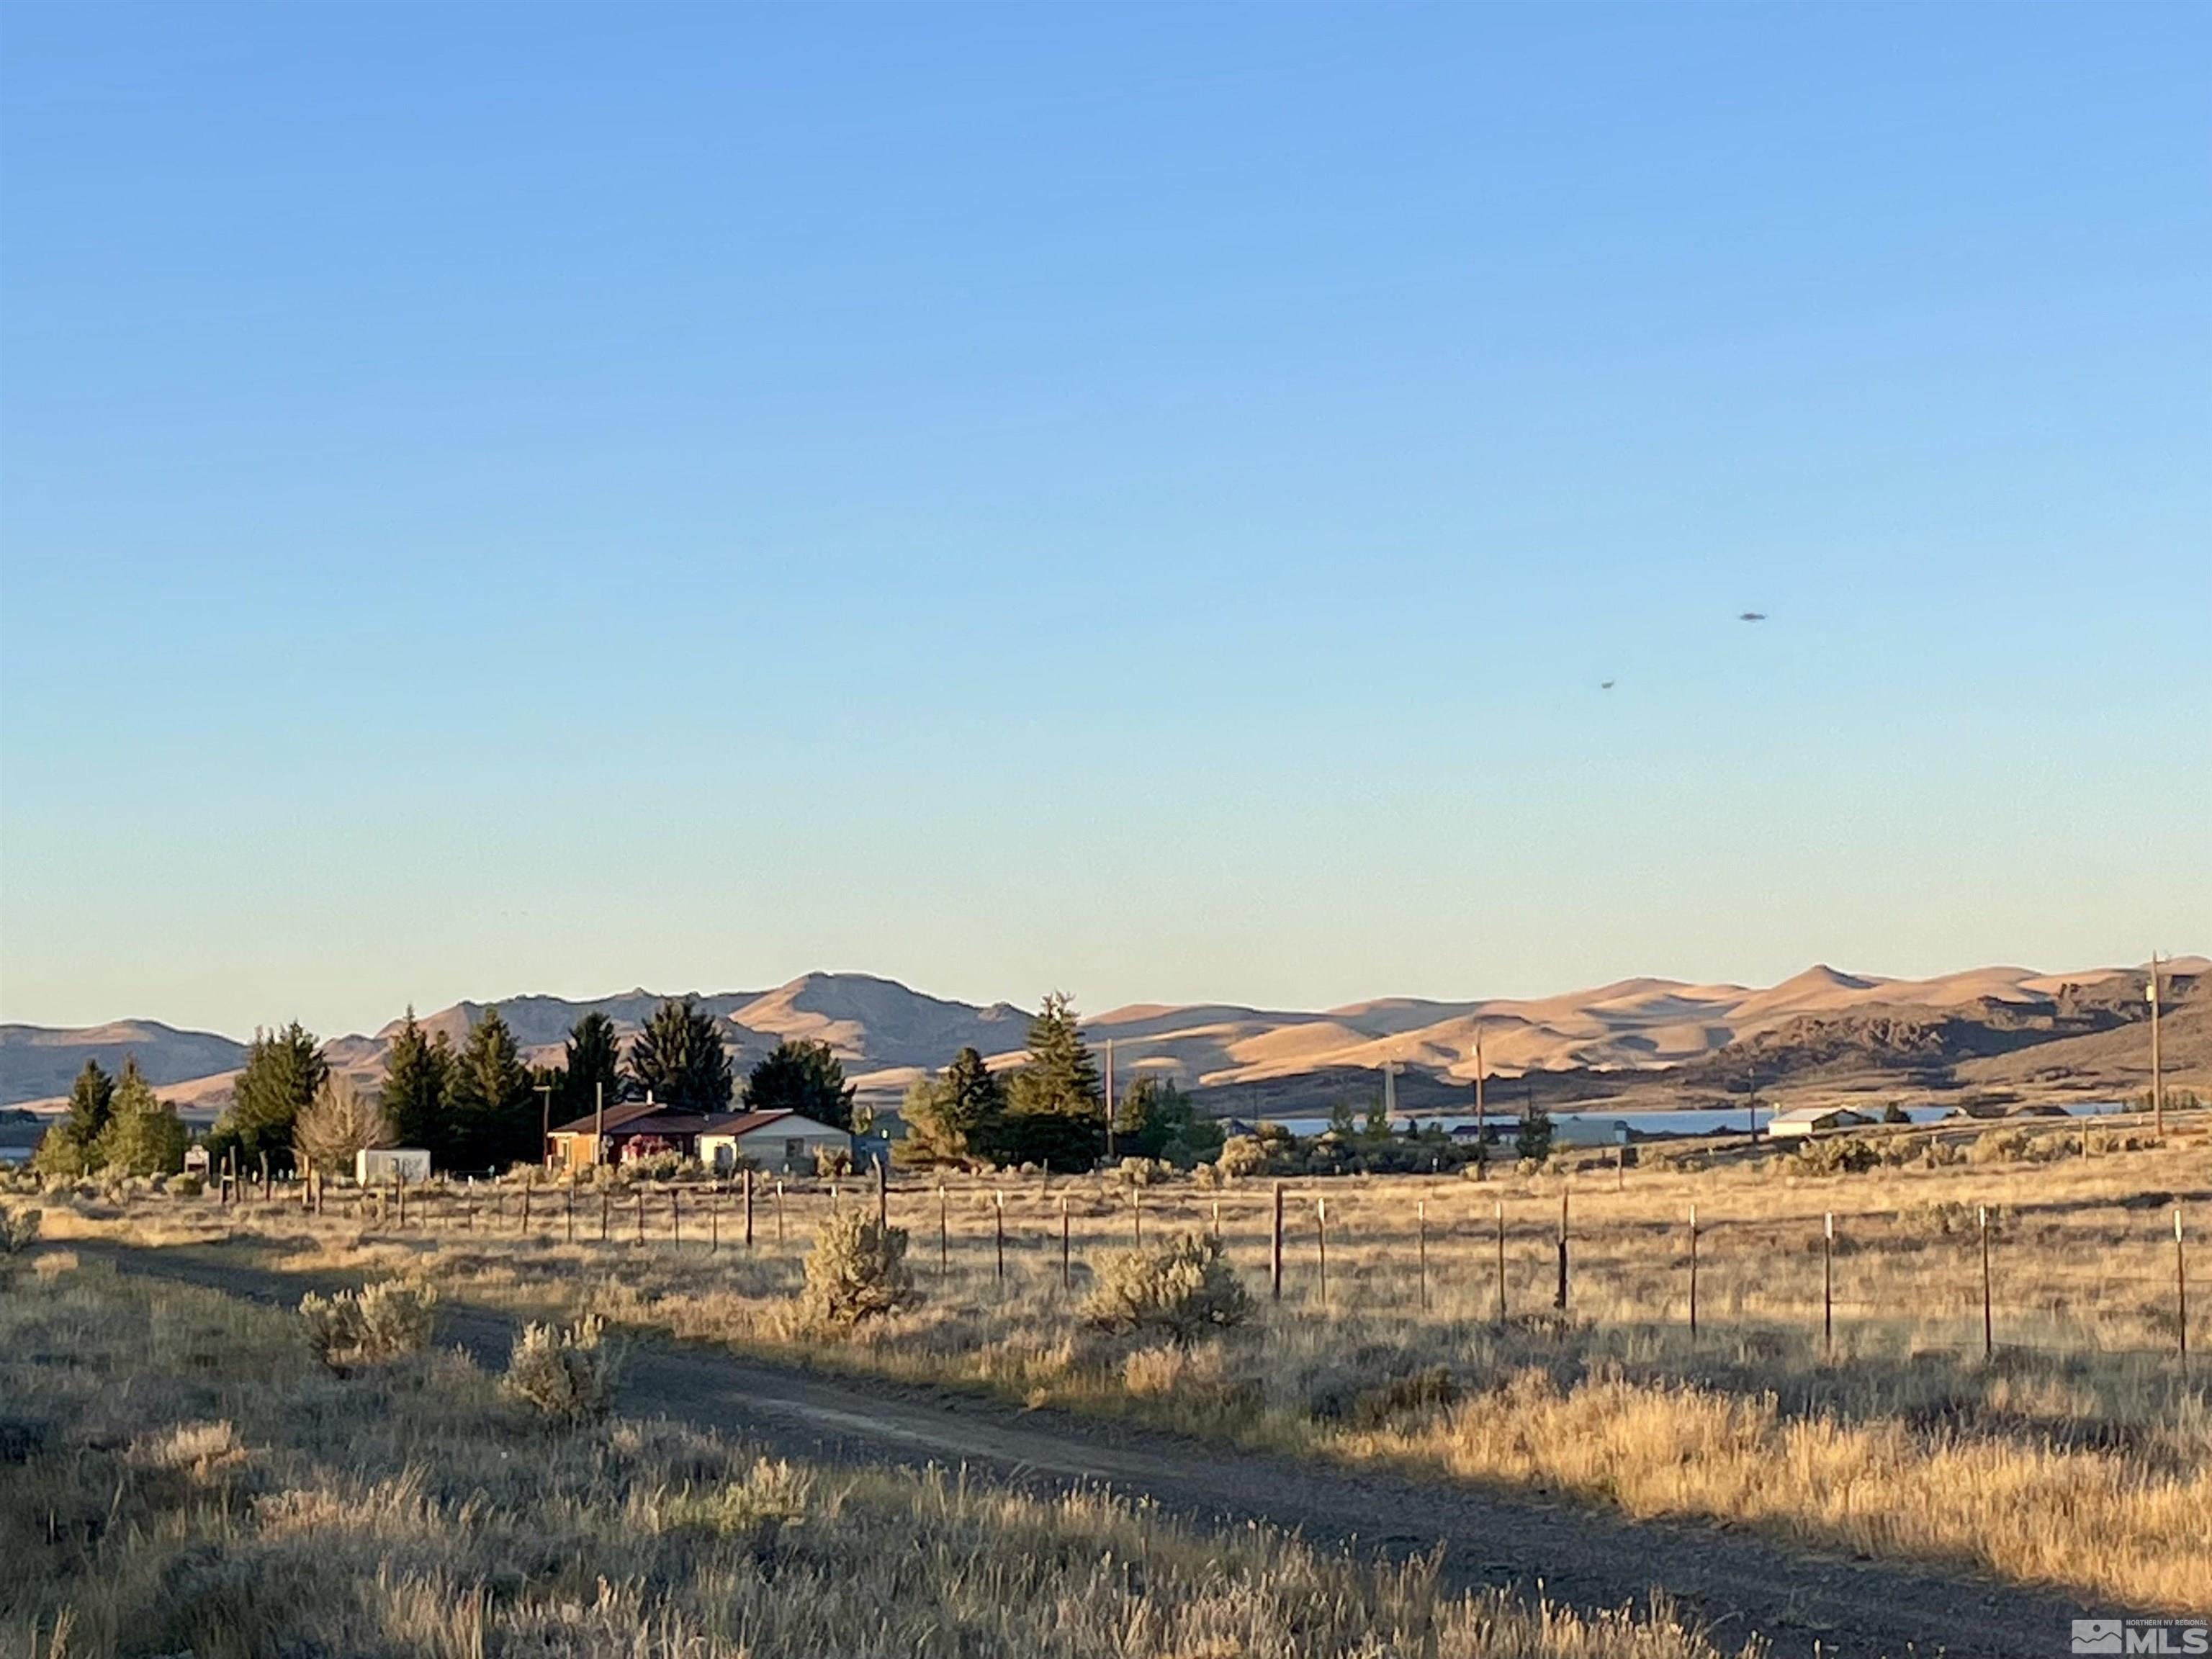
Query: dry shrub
{"x": 369, "y": 1326}
{"x": 1182, "y": 1288}
{"x": 754, "y": 1509}
{"x": 857, "y": 1270}
{"x": 565, "y": 1373}
{"x": 1240, "y": 1155}
{"x": 1836, "y": 1157}
{"x": 18, "y": 1230}
{"x": 2000, "y": 1146}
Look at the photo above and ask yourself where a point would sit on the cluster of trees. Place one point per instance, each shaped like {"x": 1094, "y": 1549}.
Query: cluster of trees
{"x": 483, "y": 1106}
{"x": 115, "y": 1125}
{"x": 1050, "y": 1111}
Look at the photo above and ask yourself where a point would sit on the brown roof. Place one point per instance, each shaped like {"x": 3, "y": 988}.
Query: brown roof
{"x": 741, "y": 1123}
{"x": 624, "y": 1112}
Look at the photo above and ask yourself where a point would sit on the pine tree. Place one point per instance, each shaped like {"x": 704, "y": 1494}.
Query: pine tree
{"x": 804, "y": 1078}
{"x": 91, "y": 1097}
{"x": 143, "y": 1136}
{"x": 593, "y": 1063}
{"x": 679, "y": 1061}
{"x": 490, "y": 1098}
{"x": 417, "y": 1068}
{"x": 953, "y": 1117}
{"x": 1055, "y": 1109}
{"x": 284, "y": 1069}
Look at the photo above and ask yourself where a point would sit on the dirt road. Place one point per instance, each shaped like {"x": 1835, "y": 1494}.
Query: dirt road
{"x": 1802, "y": 1603}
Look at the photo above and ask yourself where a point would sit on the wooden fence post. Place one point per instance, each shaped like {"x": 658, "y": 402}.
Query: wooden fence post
{"x": 944, "y": 1232}
{"x": 882, "y": 1192}
{"x": 1990, "y": 1340}
{"x": 522, "y": 1229}
{"x": 1275, "y": 1249}
{"x": 1066, "y": 1270}
{"x": 1501, "y": 1260}
{"x": 1828, "y": 1285}
{"x": 1559, "y": 1296}
{"x": 1137, "y": 1216}
{"x": 1693, "y": 1272}
{"x": 998, "y": 1223}
{"x": 779, "y": 1213}
{"x": 749, "y": 1208}
{"x": 606, "y": 1203}
{"x": 2180, "y": 1294}
{"x": 713, "y": 1227}
{"x": 1321, "y": 1238}
{"x": 640, "y": 1214}
{"x": 676, "y": 1218}
{"x": 1421, "y": 1222}
{"x": 569, "y": 1209}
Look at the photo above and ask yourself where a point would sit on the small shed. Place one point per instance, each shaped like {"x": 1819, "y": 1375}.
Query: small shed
{"x": 1803, "y": 1122}
{"x": 381, "y": 1166}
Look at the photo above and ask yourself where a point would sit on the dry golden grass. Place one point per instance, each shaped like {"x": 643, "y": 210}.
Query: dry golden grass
{"x": 183, "y": 1478}
{"x": 2078, "y": 1456}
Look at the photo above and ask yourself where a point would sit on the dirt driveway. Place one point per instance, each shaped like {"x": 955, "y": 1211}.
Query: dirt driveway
{"x": 1802, "y": 1604}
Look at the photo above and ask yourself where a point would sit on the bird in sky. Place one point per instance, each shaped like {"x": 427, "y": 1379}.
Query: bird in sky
{"x": 1752, "y": 616}
{"x": 1605, "y": 685}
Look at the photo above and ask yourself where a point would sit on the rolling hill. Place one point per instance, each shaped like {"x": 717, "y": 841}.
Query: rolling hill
{"x": 1822, "y": 1029}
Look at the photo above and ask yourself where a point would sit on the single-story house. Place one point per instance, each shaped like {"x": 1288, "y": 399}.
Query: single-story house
{"x": 1803, "y": 1122}
{"x": 768, "y": 1141}
{"x": 642, "y": 1129}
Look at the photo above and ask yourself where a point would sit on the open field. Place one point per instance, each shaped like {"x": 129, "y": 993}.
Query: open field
{"x": 181, "y": 1476}
{"x": 2079, "y": 1454}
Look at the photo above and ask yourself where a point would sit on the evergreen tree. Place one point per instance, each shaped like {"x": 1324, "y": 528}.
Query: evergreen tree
{"x": 953, "y": 1117}
{"x": 679, "y": 1061}
{"x": 417, "y": 1068}
{"x": 1155, "y": 1119}
{"x": 143, "y": 1136}
{"x": 283, "y": 1070}
{"x": 1533, "y": 1139}
{"x": 803, "y": 1078}
{"x": 593, "y": 1062}
{"x": 1055, "y": 1111}
{"x": 91, "y": 1097}
{"x": 489, "y": 1099}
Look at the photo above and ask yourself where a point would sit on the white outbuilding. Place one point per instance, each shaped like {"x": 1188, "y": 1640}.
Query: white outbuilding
{"x": 382, "y": 1166}
{"x": 782, "y": 1141}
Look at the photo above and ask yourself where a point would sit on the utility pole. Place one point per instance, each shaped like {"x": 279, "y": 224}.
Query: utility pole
{"x": 544, "y": 1125}
{"x": 1479, "y": 1128}
{"x": 1109, "y": 1097}
{"x": 2157, "y": 1065}
{"x": 1389, "y": 1090}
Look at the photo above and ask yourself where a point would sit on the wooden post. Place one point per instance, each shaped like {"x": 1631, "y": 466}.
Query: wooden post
{"x": 606, "y": 1203}
{"x": 944, "y": 1233}
{"x": 1559, "y": 1296}
{"x": 267, "y": 1191}
{"x": 713, "y": 1227}
{"x": 779, "y": 1213}
{"x": 1501, "y": 1260}
{"x": 749, "y": 1209}
{"x": 1321, "y": 1238}
{"x": 1693, "y": 1272}
{"x": 523, "y": 1230}
{"x": 1217, "y": 1218}
{"x": 1990, "y": 1341}
{"x": 2180, "y": 1293}
{"x": 1275, "y": 1250}
{"x": 1067, "y": 1271}
{"x": 640, "y": 1214}
{"x": 1421, "y": 1221}
{"x": 676, "y": 1218}
{"x": 1137, "y": 1216}
{"x": 999, "y": 1222}
{"x": 1828, "y": 1285}
{"x": 883, "y": 1194}
{"x": 399, "y": 1193}
{"x": 568, "y": 1209}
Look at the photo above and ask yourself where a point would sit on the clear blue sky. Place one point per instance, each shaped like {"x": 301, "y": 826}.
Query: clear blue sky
{"x": 1138, "y": 500}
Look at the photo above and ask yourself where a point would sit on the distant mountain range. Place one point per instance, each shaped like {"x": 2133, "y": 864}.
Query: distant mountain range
{"x": 1821, "y": 1030}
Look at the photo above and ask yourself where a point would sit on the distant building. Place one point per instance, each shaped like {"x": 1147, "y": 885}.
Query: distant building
{"x": 381, "y": 1166}
{"x": 641, "y": 1128}
{"x": 1803, "y": 1122}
